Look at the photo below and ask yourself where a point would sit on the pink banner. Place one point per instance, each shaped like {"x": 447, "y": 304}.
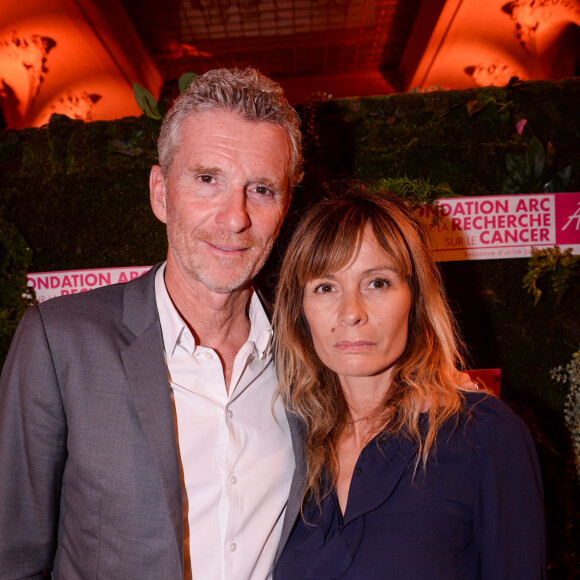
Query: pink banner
{"x": 50, "y": 284}
{"x": 499, "y": 227}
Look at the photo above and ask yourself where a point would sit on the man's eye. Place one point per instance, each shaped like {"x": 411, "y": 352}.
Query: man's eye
{"x": 206, "y": 178}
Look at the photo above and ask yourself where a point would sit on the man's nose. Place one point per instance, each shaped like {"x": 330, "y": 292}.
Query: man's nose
{"x": 233, "y": 213}
{"x": 352, "y": 310}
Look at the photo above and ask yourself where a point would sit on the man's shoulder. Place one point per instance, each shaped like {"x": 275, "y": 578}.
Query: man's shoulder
{"x": 107, "y": 297}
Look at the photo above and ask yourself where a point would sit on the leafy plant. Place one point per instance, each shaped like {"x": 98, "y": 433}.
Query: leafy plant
{"x": 147, "y": 102}
{"x": 570, "y": 475}
{"x": 571, "y": 374}
{"x": 428, "y": 89}
{"x": 398, "y": 115}
{"x": 185, "y": 80}
{"x": 415, "y": 191}
{"x": 488, "y": 106}
{"x": 129, "y": 147}
{"x": 536, "y": 172}
{"x": 561, "y": 267}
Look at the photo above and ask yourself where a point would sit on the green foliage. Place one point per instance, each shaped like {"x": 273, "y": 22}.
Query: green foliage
{"x": 428, "y": 89}
{"x": 415, "y": 191}
{"x": 130, "y": 147}
{"x": 147, "y": 102}
{"x": 489, "y": 107}
{"x": 570, "y": 475}
{"x": 15, "y": 296}
{"x": 486, "y": 106}
{"x": 185, "y": 80}
{"x": 536, "y": 172}
{"x": 570, "y": 374}
{"x": 561, "y": 267}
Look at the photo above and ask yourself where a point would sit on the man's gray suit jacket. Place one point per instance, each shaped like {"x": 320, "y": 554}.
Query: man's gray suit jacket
{"x": 89, "y": 468}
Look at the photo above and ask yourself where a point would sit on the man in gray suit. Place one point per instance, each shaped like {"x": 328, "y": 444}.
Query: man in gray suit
{"x": 137, "y": 434}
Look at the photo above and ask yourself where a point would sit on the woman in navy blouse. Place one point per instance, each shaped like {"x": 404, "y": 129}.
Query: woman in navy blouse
{"x": 408, "y": 474}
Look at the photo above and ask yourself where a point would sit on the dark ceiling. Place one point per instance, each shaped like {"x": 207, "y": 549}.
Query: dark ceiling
{"x": 286, "y": 39}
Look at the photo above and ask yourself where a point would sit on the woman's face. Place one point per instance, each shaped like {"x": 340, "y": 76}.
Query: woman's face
{"x": 358, "y": 316}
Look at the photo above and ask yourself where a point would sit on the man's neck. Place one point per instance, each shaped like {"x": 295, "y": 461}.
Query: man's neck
{"x": 218, "y": 320}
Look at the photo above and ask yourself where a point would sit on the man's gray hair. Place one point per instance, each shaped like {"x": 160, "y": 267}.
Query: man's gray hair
{"x": 246, "y": 92}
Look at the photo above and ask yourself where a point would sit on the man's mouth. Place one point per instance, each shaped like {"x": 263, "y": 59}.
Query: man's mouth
{"x": 229, "y": 249}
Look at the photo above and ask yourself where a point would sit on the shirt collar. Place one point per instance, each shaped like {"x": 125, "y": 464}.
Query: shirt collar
{"x": 172, "y": 325}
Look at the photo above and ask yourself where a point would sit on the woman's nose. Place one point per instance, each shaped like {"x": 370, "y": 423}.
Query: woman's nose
{"x": 352, "y": 311}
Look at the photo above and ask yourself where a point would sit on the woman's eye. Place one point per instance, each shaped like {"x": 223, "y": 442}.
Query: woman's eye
{"x": 323, "y": 288}
{"x": 379, "y": 283}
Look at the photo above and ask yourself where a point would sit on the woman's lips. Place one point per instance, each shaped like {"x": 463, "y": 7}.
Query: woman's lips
{"x": 354, "y": 346}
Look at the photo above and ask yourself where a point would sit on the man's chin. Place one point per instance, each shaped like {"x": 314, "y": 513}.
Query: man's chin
{"x": 227, "y": 284}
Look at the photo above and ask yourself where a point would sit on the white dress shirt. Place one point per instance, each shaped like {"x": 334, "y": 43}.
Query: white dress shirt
{"x": 236, "y": 455}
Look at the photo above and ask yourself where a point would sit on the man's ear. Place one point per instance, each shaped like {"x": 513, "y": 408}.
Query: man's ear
{"x": 158, "y": 193}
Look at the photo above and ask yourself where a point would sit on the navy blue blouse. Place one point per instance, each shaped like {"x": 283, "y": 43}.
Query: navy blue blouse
{"x": 475, "y": 513}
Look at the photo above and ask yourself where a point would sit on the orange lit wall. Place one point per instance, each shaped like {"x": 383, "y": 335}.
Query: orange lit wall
{"x": 479, "y": 43}
{"x": 62, "y": 56}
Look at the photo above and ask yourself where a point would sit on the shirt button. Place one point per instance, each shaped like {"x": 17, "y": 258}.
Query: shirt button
{"x": 229, "y": 414}
{"x": 234, "y": 479}
{"x": 186, "y": 335}
{"x": 358, "y": 471}
{"x": 208, "y": 355}
{"x": 233, "y": 547}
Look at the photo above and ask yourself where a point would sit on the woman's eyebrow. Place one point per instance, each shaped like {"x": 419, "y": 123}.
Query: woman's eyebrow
{"x": 379, "y": 269}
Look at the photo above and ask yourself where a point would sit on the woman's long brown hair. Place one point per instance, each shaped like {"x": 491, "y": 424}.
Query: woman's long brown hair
{"x": 424, "y": 379}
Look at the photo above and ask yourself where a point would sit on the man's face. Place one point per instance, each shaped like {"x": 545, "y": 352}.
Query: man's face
{"x": 225, "y": 198}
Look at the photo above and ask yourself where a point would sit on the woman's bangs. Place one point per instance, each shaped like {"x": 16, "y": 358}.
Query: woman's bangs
{"x": 332, "y": 244}
{"x": 392, "y": 240}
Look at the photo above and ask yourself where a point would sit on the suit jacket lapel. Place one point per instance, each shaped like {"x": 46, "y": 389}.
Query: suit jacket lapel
{"x": 298, "y": 434}
{"x": 147, "y": 375}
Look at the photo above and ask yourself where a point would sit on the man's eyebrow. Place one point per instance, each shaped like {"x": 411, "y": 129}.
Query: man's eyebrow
{"x": 203, "y": 170}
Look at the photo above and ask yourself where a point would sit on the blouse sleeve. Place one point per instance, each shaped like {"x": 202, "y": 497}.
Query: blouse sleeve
{"x": 509, "y": 520}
